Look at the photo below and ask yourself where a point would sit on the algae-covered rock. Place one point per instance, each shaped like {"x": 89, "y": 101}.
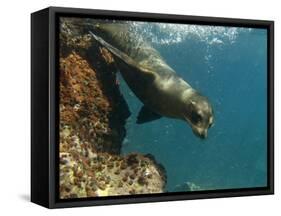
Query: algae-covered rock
{"x": 93, "y": 113}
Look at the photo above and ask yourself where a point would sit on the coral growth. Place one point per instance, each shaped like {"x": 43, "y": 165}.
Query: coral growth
{"x": 92, "y": 126}
{"x": 103, "y": 174}
{"x": 86, "y": 108}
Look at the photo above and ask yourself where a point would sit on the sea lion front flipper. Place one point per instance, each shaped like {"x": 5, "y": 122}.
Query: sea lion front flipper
{"x": 122, "y": 56}
{"x": 147, "y": 115}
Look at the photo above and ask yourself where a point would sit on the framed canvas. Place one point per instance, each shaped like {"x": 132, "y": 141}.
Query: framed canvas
{"x": 139, "y": 107}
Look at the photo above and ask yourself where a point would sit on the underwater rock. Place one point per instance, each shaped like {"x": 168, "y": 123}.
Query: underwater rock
{"x": 187, "y": 186}
{"x": 93, "y": 113}
{"x": 87, "y": 109}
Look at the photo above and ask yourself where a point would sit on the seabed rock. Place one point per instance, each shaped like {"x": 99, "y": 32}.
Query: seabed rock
{"x": 93, "y": 113}
{"x": 187, "y": 186}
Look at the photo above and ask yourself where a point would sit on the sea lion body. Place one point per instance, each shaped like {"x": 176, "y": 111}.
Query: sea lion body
{"x": 150, "y": 78}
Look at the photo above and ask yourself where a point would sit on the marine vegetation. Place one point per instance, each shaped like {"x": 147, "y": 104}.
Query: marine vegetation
{"x": 92, "y": 114}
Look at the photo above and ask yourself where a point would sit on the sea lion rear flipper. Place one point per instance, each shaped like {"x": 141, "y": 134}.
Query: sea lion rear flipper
{"x": 122, "y": 56}
{"x": 147, "y": 115}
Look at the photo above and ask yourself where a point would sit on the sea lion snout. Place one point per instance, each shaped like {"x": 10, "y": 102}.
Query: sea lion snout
{"x": 199, "y": 114}
{"x": 200, "y": 132}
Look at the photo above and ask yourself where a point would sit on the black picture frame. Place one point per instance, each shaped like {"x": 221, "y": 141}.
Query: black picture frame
{"x": 44, "y": 106}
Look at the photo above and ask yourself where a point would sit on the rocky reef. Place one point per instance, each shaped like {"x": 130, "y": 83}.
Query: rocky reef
{"x": 93, "y": 114}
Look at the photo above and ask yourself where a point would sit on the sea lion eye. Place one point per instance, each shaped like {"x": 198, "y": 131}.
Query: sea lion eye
{"x": 196, "y": 118}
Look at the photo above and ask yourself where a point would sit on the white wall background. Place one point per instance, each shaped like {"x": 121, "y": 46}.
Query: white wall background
{"x": 15, "y": 106}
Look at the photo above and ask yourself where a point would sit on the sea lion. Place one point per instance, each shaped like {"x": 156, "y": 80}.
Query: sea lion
{"x": 156, "y": 84}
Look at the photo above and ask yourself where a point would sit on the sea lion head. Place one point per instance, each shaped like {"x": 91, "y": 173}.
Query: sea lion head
{"x": 198, "y": 113}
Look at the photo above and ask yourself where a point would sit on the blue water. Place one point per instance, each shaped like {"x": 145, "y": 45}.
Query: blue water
{"x": 229, "y": 66}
